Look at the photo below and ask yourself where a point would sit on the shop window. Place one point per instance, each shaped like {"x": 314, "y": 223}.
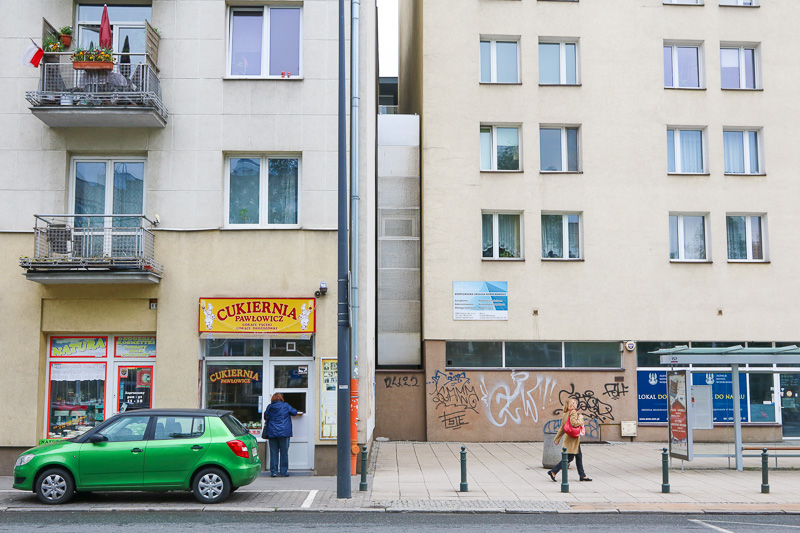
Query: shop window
{"x": 77, "y": 398}
{"x": 291, "y": 377}
{"x": 533, "y": 354}
{"x": 179, "y": 427}
{"x": 126, "y": 429}
{"x": 235, "y": 387}
{"x": 134, "y": 388}
{"x": 291, "y": 348}
{"x": 592, "y": 354}
{"x": 646, "y": 359}
{"x": 234, "y": 348}
{"x": 474, "y": 354}
{"x": 296, "y": 400}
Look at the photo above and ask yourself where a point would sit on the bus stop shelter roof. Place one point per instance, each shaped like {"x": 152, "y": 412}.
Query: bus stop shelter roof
{"x": 731, "y": 355}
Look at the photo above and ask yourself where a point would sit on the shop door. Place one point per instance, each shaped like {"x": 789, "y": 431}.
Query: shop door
{"x": 133, "y": 387}
{"x": 790, "y": 409}
{"x": 295, "y": 381}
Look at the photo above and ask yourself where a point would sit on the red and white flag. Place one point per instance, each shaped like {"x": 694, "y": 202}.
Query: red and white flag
{"x": 33, "y": 55}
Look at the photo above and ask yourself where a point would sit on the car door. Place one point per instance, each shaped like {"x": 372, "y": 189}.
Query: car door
{"x": 119, "y": 461}
{"x": 178, "y": 443}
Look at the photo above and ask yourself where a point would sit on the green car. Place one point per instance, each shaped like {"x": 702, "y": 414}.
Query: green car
{"x": 206, "y": 451}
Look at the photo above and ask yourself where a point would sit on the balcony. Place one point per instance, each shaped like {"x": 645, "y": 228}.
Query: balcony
{"x": 129, "y": 96}
{"x": 92, "y": 249}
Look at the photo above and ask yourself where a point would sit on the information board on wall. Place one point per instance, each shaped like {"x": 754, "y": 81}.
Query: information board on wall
{"x": 651, "y": 386}
{"x": 328, "y": 405}
{"x": 480, "y": 300}
{"x": 680, "y": 430}
{"x": 722, "y": 393}
{"x": 139, "y": 346}
{"x": 257, "y": 315}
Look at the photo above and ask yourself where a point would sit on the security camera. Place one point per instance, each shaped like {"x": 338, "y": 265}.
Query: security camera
{"x": 323, "y": 289}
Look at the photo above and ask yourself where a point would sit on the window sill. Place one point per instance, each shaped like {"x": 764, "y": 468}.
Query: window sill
{"x": 685, "y": 88}
{"x": 688, "y": 174}
{"x": 563, "y": 260}
{"x": 560, "y": 84}
{"x": 520, "y": 171}
{"x": 263, "y": 78}
{"x": 739, "y": 89}
{"x": 504, "y": 259}
{"x": 691, "y": 261}
{"x": 684, "y": 5}
{"x": 254, "y": 228}
{"x": 561, "y": 172}
{"x": 500, "y": 82}
{"x": 743, "y": 174}
{"x": 726, "y": 5}
{"x": 745, "y": 261}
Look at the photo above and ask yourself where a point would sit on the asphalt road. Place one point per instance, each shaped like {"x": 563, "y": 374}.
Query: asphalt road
{"x": 185, "y": 521}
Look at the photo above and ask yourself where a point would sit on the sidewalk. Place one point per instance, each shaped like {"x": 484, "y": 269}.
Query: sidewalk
{"x": 502, "y": 477}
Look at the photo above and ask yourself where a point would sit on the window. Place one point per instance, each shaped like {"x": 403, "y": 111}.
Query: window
{"x": 685, "y": 151}
{"x": 682, "y": 66}
{"x": 685, "y": 2}
{"x": 687, "y": 238}
{"x": 179, "y": 427}
{"x": 746, "y": 237}
{"x": 738, "y": 67}
{"x": 263, "y": 191}
{"x": 561, "y": 236}
{"x": 499, "y": 61}
{"x": 558, "y": 63}
{"x": 265, "y": 42}
{"x": 533, "y": 354}
{"x": 742, "y": 154}
{"x": 502, "y": 235}
{"x": 552, "y": 354}
{"x": 741, "y": 3}
{"x": 127, "y": 429}
{"x": 127, "y": 31}
{"x": 500, "y": 148}
{"x": 558, "y": 149}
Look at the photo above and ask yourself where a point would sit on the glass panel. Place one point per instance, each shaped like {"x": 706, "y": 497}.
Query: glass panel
{"x": 752, "y": 137}
{"x": 244, "y": 191}
{"x": 572, "y": 63}
{"x": 246, "y": 43}
{"x": 533, "y": 354}
{"x": 116, "y": 14}
{"x": 128, "y": 193}
{"x": 592, "y": 354}
{"x": 128, "y": 429}
{"x": 729, "y": 67}
{"x": 235, "y": 387}
{"x": 487, "y": 232}
{"x": 474, "y": 354}
{"x": 790, "y": 408}
{"x": 291, "y": 376}
{"x": 508, "y": 236}
{"x": 550, "y": 149}
{"x": 552, "y": 236}
{"x": 673, "y": 237}
{"x": 486, "y": 61}
{"x": 507, "y": 149}
{"x": 737, "y": 237}
{"x": 282, "y": 191}
{"x": 670, "y": 150}
{"x": 77, "y": 395}
{"x": 284, "y": 41}
{"x": 694, "y": 237}
{"x": 507, "y": 62}
{"x": 572, "y": 149}
{"x": 574, "y": 232}
{"x": 291, "y": 348}
{"x": 757, "y": 251}
{"x": 734, "y": 151}
{"x": 134, "y": 388}
{"x": 762, "y": 403}
{"x": 90, "y": 193}
{"x": 750, "y": 68}
{"x": 646, "y": 359}
{"x": 296, "y": 400}
{"x": 486, "y": 148}
{"x": 668, "y": 81}
{"x": 179, "y": 427}
{"x": 688, "y": 67}
{"x": 234, "y": 348}
{"x": 549, "y": 63}
{"x": 132, "y": 42}
{"x": 88, "y": 36}
{"x": 691, "y": 150}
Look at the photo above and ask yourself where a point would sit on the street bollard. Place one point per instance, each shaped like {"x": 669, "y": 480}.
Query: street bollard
{"x": 363, "y": 485}
{"x": 464, "y": 487}
{"x": 564, "y": 467}
{"x": 764, "y": 472}
{"x": 665, "y": 471}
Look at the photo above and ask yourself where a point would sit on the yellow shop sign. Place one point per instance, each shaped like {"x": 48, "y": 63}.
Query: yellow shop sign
{"x": 257, "y": 315}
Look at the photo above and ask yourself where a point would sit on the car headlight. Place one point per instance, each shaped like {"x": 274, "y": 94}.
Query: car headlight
{"x": 24, "y": 459}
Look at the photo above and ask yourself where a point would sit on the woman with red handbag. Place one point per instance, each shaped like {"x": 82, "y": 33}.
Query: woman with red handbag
{"x": 572, "y": 429}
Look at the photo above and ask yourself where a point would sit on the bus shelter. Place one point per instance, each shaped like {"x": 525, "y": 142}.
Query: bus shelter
{"x": 685, "y": 358}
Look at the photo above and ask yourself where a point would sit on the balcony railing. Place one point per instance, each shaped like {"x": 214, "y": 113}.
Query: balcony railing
{"x": 127, "y": 96}
{"x": 66, "y": 244}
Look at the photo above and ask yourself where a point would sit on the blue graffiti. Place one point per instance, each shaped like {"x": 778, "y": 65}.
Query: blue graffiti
{"x": 449, "y": 378}
{"x": 592, "y": 426}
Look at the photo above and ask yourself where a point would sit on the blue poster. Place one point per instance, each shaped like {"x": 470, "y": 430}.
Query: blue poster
{"x": 480, "y": 300}
{"x": 651, "y": 386}
{"x": 722, "y": 393}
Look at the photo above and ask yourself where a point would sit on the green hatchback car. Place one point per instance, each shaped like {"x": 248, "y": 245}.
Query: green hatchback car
{"x": 206, "y": 451}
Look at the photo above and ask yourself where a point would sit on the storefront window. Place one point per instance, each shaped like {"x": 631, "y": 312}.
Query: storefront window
{"x": 474, "y": 354}
{"x": 291, "y": 376}
{"x": 77, "y": 393}
{"x": 646, "y": 359}
{"x": 234, "y": 348}
{"x": 291, "y": 348}
{"x": 235, "y": 387}
{"x": 533, "y": 354}
{"x": 134, "y": 388}
{"x": 592, "y": 354}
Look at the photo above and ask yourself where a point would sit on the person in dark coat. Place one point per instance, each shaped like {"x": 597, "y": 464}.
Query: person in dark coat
{"x": 279, "y": 430}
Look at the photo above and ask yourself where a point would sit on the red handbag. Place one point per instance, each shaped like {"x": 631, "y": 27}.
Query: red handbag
{"x": 571, "y": 431}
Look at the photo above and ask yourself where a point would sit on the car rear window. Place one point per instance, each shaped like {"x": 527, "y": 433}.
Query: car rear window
{"x": 234, "y": 426}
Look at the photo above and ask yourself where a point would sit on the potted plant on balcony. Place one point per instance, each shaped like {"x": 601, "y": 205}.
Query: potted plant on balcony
{"x": 51, "y": 44}
{"x": 65, "y": 34}
{"x": 93, "y": 59}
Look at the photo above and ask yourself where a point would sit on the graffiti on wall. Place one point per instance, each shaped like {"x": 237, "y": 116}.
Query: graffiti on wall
{"x": 515, "y": 402}
{"x": 400, "y": 381}
{"x": 454, "y": 393}
{"x": 587, "y": 403}
{"x": 591, "y": 424}
{"x": 615, "y": 390}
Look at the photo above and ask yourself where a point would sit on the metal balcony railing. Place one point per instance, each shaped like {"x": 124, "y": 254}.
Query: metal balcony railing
{"x": 128, "y": 84}
{"x": 93, "y": 242}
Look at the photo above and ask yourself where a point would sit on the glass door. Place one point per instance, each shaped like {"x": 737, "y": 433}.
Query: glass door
{"x": 134, "y": 386}
{"x": 790, "y": 408}
{"x": 294, "y": 380}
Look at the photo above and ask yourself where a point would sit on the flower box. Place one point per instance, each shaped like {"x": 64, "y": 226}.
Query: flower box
{"x": 92, "y": 65}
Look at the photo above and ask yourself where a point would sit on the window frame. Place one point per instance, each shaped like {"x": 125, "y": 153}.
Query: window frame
{"x": 674, "y": 45}
{"x": 265, "y": 9}
{"x": 684, "y": 2}
{"x": 263, "y": 190}
{"x": 681, "y": 243}
{"x": 109, "y": 161}
{"x": 493, "y": 162}
{"x": 562, "y": 366}
{"x": 565, "y": 235}
{"x": 749, "y": 237}
{"x": 496, "y": 234}
{"x": 562, "y": 60}
{"x": 493, "y": 40}
{"x": 564, "y": 148}
{"x": 746, "y": 150}
{"x": 677, "y": 150}
{"x": 741, "y": 47}
{"x": 739, "y": 3}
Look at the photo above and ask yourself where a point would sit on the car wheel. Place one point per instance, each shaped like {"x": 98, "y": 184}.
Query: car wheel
{"x": 211, "y": 485}
{"x": 55, "y": 486}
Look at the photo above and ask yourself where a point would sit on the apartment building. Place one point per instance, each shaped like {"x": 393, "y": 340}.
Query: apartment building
{"x": 601, "y": 179}
{"x": 169, "y": 224}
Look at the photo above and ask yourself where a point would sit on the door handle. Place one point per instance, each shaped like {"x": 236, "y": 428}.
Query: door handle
{"x": 197, "y": 447}
{"x": 137, "y": 450}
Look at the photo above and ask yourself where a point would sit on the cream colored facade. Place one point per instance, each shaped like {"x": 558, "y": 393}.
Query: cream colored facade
{"x": 211, "y": 116}
{"x": 624, "y": 285}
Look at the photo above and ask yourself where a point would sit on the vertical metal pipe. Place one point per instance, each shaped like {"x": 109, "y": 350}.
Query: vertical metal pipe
{"x": 764, "y": 471}
{"x": 564, "y": 467}
{"x": 737, "y": 418}
{"x": 363, "y": 485}
{"x": 464, "y": 487}
{"x": 664, "y": 471}
{"x": 354, "y": 239}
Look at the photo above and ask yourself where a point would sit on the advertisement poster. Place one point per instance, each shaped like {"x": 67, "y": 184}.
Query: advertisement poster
{"x": 652, "y": 388}
{"x": 680, "y": 432}
{"x": 257, "y": 315}
{"x": 134, "y": 387}
{"x": 77, "y": 372}
{"x": 135, "y": 346}
{"x": 480, "y": 300}
{"x": 78, "y": 346}
{"x": 722, "y": 393}
{"x": 328, "y": 406}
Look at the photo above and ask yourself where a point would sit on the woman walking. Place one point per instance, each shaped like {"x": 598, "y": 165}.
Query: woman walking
{"x": 278, "y": 427}
{"x": 573, "y": 444}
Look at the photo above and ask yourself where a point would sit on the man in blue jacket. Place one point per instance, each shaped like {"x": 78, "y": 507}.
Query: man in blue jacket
{"x": 279, "y": 430}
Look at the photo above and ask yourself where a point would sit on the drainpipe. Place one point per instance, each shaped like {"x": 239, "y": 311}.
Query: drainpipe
{"x": 355, "y": 7}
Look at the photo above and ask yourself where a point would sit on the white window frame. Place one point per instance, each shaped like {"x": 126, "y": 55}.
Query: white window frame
{"x": 265, "y": 36}
{"x": 562, "y": 59}
{"x": 263, "y": 187}
{"x": 681, "y": 244}
{"x": 494, "y": 127}
{"x": 738, "y": 3}
{"x": 741, "y": 47}
{"x": 564, "y": 148}
{"x": 493, "y": 40}
{"x": 749, "y": 237}
{"x": 746, "y": 150}
{"x": 496, "y": 236}
{"x": 677, "y": 145}
{"x": 674, "y": 45}
{"x": 565, "y": 235}
{"x": 684, "y": 2}
{"x": 109, "y": 199}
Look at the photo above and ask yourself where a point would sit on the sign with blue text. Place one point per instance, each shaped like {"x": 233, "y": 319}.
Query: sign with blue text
{"x": 651, "y": 386}
{"x": 480, "y": 300}
{"x": 722, "y": 393}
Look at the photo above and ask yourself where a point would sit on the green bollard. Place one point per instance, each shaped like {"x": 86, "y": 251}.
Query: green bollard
{"x": 363, "y": 485}
{"x": 764, "y": 472}
{"x": 564, "y": 467}
{"x": 464, "y": 487}
{"x": 665, "y": 471}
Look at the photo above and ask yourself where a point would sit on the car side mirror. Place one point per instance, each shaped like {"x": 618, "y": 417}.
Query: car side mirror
{"x": 98, "y": 438}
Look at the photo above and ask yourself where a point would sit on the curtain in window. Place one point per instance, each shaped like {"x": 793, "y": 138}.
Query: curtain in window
{"x": 487, "y": 231}
{"x": 574, "y": 231}
{"x": 750, "y": 68}
{"x": 507, "y": 149}
{"x": 552, "y": 236}
{"x": 282, "y": 192}
{"x": 571, "y": 63}
{"x": 694, "y": 237}
{"x": 757, "y": 247}
{"x": 284, "y": 41}
{"x": 737, "y": 238}
{"x": 691, "y": 151}
{"x": 729, "y": 67}
{"x": 668, "y": 81}
{"x": 753, "y": 144}
{"x": 572, "y": 149}
{"x": 673, "y": 237}
{"x": 670, "y": 150}
{"x": 688, "y": 67}
{"x": 128, "y": 193}
{"x": 244, "y": 191}
{"x": 508, "y": 235}
{"x": 734, "y": 151}
{"x": 507, "y": 62}
{"x": 486, "y": 148}
{"x": 486, "y": 61}
{"x": 246, "y": 42}
{"x": 90, "y": 193}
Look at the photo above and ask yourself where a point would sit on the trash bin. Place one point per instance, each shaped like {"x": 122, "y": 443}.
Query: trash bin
{"x": 551, "y": 452}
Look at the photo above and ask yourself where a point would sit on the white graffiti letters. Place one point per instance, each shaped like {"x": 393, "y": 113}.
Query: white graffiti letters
{"x": 517, "y": 404}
